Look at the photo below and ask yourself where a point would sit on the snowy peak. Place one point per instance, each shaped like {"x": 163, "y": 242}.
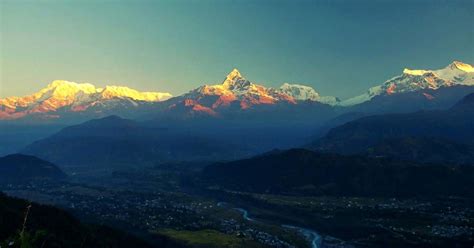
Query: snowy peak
{"x": 236, "y": 92}
{"x": 64, "y": 86}
{"x": 75, "y": 97}
{"x": 305, "y": 93}
{"x": 455, "y": 68}
{"x": 456, "y": 73}
{"x": 110, "y": 92}
{"x": 300, "y": 92}
{"x": 235, "y": 82}
{"x": 61, "y": 89}
{"x": 233, "y": 76}
{"x": 461, "y": 66}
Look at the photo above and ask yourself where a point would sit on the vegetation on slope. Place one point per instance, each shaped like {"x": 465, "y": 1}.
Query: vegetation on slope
{"x": 24, "y": 224}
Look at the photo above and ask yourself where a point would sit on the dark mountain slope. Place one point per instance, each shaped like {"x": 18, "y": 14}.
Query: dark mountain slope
{"x": 306, "y": 172}
{"x": 424, "y": 149}
{"x": 113, "y": 140}
{"x": 19, "y": 168}
{"x": 455, "y": 125}
{"x": 466, "y": 103}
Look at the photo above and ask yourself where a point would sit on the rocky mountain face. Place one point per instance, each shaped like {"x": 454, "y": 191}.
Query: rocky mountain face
{"x": 236, "y": 93}
{"x": 306, "y": 93}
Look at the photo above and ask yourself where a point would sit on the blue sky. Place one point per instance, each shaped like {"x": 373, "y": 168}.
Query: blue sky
{"x": 340, "y": 48}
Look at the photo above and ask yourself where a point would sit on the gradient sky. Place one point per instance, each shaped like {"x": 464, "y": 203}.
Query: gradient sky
{"x": 340, "y": 48}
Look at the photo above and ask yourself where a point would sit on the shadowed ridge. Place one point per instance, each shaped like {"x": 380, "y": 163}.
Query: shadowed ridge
{"x": 17, "y": 168}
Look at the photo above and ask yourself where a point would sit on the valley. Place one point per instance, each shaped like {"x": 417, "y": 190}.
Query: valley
{"x": 244, "y": 184}
{"x": 158, "y": 201}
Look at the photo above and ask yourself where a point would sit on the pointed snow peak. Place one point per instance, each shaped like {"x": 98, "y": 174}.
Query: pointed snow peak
{"x": 233, "y": 77}
{"x": 234, "y": 74}
{"x": 461, "y": 66}
{"x": 235, "y": 81}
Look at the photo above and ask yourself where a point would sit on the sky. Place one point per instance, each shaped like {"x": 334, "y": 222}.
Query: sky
{"x": 339, "y": 47}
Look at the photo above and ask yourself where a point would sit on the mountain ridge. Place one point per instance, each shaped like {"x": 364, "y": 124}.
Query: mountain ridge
{"x": 112, "y": 141}
{"x": 236, "y": 95}
{"x": 18, "y": 168}
{"x": 456, "y": 73}
{"x": 304, "y": 172}
{"x": 76, "y": 97}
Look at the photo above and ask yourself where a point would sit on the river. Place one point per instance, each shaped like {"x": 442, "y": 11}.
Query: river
{"x": 245, "y": 214}
{"x": 313, "y": 237}
{"x": 310, "y": 235}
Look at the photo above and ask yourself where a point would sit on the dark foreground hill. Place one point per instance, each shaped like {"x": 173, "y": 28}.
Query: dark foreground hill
{"x": 50, "y": 227}
{"x": 17, "y": 168}
{"x": 306, "y": 172}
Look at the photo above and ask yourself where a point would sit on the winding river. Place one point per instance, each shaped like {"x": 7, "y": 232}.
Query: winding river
{"x": 313, "y": 237}
{"x": 245, "y": 214}
{"x": 309, "y": 234}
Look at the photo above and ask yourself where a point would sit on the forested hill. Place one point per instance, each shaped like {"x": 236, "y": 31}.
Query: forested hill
{"x": 47, "y": 226}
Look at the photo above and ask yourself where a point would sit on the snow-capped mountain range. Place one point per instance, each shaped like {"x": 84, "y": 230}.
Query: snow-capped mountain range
{"x": 235, "y": 93}
{"x": 238, "y": 93}
{"x": 306, "y": 93}
{"x": 456, "y": 73}
{"x": 74, "y": 97}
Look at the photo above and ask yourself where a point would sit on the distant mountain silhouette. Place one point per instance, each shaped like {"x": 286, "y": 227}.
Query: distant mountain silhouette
{"x": 116, "y": 141}
{"x": 466, "y": 103}
{"x": 305, "y": 172}
{"x": 17, "y": 168}
{"x": 425, "y": 81}
{"x": 384, "y": 134}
